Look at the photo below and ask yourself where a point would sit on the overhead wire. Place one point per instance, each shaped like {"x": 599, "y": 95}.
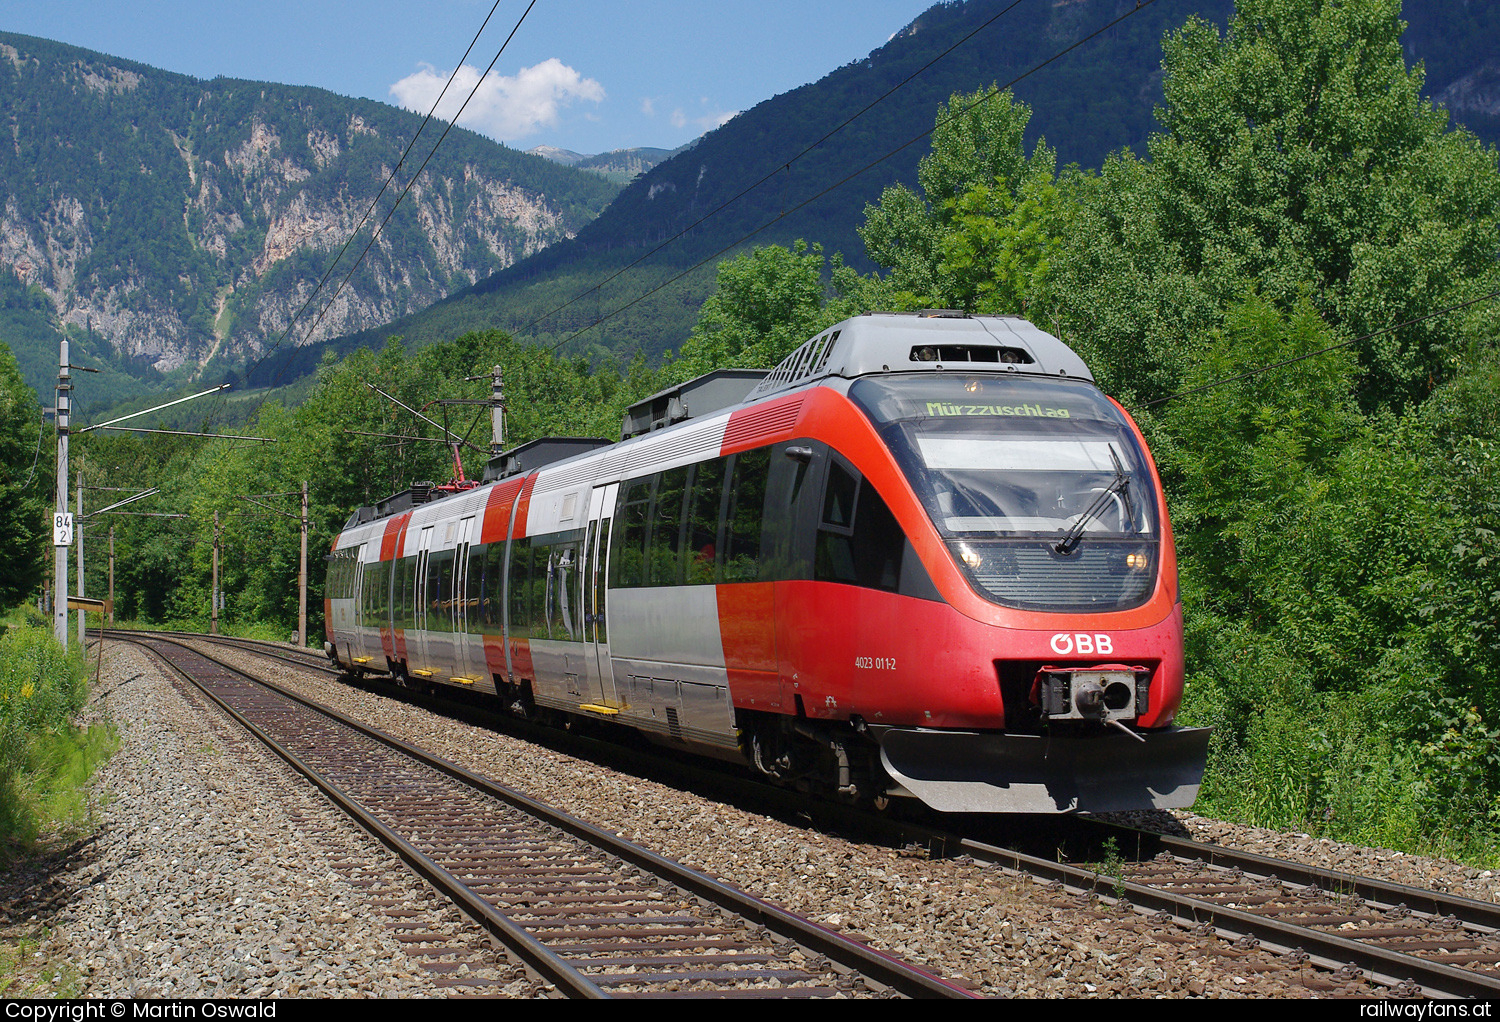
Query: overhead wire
{"x": 594, "y": 289}
{"x": 941, "y": 122}
{"x": 400, "y": 162}
{"x": 413, "y": 180}
{"x": 36, "y": 455}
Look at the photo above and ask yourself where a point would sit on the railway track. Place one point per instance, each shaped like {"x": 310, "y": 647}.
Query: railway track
{"x": 591, "y": 914}
{"x": 1320, "y": 923}
{"x": 1415, "y": 942}
{"x": 306, "y": 658}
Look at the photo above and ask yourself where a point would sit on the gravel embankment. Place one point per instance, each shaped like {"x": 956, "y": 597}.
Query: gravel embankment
{"x": 215, "y": 872}
{"x": 211, "y": 874}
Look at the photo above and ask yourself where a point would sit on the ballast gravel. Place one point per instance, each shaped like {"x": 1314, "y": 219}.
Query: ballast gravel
{"x": 215, "y": 872}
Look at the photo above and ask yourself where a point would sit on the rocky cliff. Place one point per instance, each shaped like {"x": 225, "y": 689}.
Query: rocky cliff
{"x": 187, "y": 221}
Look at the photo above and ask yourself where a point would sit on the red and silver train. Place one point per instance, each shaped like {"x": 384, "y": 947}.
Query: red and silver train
{"x": 925, "y": 556}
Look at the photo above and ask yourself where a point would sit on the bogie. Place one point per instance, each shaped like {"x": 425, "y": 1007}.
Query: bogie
{"x": 854, "y": 580}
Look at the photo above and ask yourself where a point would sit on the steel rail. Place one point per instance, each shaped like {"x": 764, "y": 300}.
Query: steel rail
{"x": 531, "y": 951}
{"x": 1391, "y": 967}
{"x": 885, "y": 969}
{"x": 1334, "y": 951}
{"x": 305, "y": 658}
{"x": 1468, "y": 910}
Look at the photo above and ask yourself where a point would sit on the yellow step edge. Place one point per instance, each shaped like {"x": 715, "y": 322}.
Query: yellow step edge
{"x": 363, "y": 659}
{"x": 463, "y": 681}
{"x": 608, "y": 711}
{"x": 425, "y": 674}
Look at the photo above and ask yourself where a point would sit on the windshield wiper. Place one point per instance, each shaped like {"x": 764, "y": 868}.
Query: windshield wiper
{"x": 1117, "y": 487}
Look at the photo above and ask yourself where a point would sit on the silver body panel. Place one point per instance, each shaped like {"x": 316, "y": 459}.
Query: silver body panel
{"x": 652, "y": 658}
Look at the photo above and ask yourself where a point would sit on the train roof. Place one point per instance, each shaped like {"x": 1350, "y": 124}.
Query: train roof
{"x": 700, "y": 396}
{"x": 932, "y": 341}
{"x": 874, "y": 343}
{"x": 543, "y": 451}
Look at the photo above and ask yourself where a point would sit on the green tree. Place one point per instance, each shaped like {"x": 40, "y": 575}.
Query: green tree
{"x": 981, "y": 235}
{"x": 1297, "y": 156}
{"x": 25, "y": 485}
{"x": 355, "y": 448}
{"x": 766, "y": 303}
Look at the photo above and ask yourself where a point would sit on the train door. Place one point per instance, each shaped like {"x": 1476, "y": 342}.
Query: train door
{"x": 424, "y": 612}
{"x": 468, "y": 653}
{"x": 591, "y": 600}
{"x": 359, "y": 643}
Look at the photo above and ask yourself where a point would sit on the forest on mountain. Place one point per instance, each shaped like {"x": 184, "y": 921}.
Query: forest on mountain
{"x": 171, "y": 227}
{"x": 803, "y": 165}
{"x": 186, "y": 246}
{"x": 1293, "y": 289}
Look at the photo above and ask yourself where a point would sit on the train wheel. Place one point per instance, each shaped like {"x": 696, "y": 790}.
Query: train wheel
{"x": 406, "y": 681}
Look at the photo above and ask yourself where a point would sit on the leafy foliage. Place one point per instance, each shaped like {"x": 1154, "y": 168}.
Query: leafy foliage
{"x": 1297, "y": 154}
{"x": 1244, "y": 286}
{"x": 980, "y": 236}
{"x": 26, "y": 481}
{"x": 768, "y": 302}
{"x": 1267, "y": 290}
{"x": 352, "y": 446}
{"x": 44, "y": 759}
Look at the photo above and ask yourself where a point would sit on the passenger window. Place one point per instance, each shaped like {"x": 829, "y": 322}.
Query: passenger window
{"x": 703, "y": 523}
{"x": 440, "y": 591}
{"x": 743, "y": 513}
{"x": 627, "y": 561}
{"x": 838, "y": 498}
{"x": 492, "y": 587}
{"x": 664, "y": 563}
{"x": 563, "y": 613}
{"x": 408, "y": 571}
{"x": 522, "y": 581}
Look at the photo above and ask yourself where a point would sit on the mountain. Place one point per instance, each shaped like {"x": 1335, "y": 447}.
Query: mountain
{"x": 619, "y": 165}
{"x": 174, "y": 225}
{"x": 567, "y": 157}
{"x": 625, "y": 165}
{"x": 205, "y": 211}
{"x": 804, "y": 164}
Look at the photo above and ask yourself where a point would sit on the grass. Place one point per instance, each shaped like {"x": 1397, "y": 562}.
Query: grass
{"x": 1337, "y": 772}
{"x": 46, "y": 760}
{"x": 26, "y": 971}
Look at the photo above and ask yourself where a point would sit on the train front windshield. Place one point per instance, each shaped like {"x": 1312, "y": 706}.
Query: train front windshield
{"x": 1038, "y": 486}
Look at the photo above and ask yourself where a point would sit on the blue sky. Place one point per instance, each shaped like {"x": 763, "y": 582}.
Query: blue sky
{"x": 586, "y": 75}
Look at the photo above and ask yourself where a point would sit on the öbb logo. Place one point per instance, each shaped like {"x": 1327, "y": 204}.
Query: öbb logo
{"x": 1064, "y": 643}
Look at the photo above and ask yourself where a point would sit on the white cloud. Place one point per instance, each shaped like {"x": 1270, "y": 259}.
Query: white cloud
{"x": 705, "y": 122}
{"x": 503, "y": 108}
{"x": 719, "y": 120}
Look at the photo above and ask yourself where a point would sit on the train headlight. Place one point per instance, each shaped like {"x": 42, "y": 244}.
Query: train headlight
{"x": 969, "y": 555}
{"x": 1137, "y": 561}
